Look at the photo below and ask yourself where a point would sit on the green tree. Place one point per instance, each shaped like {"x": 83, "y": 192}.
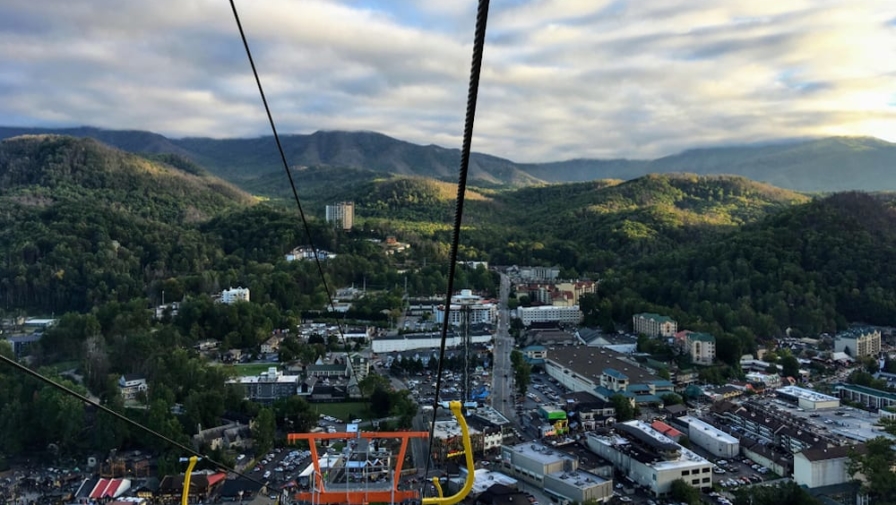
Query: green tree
{"x": 623, "y": 406}
{"x": 791, "y": 366}
{"x": 876, "y": 464}
{"x": 683, "y": 492}
{"x": 785, "y": 493}
{"x": 264, "y": 430}
{"x": 671, "y": 399}
{"x": 380, "y": 403}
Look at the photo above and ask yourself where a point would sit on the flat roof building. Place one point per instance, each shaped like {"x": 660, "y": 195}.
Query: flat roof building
{"x": 555, "y": 471}
{"x": 874, "y": 398}
{"x": 808, "y": 399}
{"x": 550, "y": 313}
{"x": 604, "y": 373}
{"x": 650, "y": 458}
{"x": 269, "y": 386}
{"x": 710, "y": 438}
{"x": 823, "y": 467}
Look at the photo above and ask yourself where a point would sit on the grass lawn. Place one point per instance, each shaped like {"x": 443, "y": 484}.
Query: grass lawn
{"x": 343, "y": 411}
{"x": 248, "y": 369}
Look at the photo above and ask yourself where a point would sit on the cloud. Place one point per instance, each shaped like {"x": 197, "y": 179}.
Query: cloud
{"x": 561, "y": 78}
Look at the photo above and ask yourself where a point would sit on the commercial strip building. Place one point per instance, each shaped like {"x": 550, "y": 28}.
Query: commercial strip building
{"x": 708, "y": 437}
{"x": 432, "y": 340}
{"x": 555, "y": 471}
{"x": 808, "y": 399}
{"x": 858, "y": 342}
{"x": 875, "y": 398}
{"x": 649, "y": 458}
{"x": 654, "y": 325}
{"x": 549, "y": 314}
{"x": 604, "y": 373}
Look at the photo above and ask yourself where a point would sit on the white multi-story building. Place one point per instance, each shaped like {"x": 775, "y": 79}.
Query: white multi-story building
{"x": 480, "y": 310}
{"x": 410, "y": 341}
{"x": 550, "y": 313}
{"x": 654, "y": 325}
{"x": 858, "y": 342}
{"x": 234, "y": 295}
{"x": 823, "y": 467}
{"x": 710, "y": 438}
{"x": 650, "y": 458}
{"x": 341, "y": 214}
{"x": 808, "y": 399}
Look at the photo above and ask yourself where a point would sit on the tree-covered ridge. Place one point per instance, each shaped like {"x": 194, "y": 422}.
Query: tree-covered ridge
{"x": 53, "y": 168}
{"x": 812, "y": 268}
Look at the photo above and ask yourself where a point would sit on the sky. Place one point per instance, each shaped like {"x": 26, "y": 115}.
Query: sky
{"x": 561, "y": 79}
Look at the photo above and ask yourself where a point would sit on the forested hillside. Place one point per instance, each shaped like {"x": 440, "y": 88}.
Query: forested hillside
{"x": 812, "y": 268}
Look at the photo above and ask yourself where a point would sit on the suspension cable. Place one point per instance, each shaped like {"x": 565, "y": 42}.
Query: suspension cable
{"x": 292, "y": 183}
{"x": 121, "y": 417}
{"x": 472, "y": 97}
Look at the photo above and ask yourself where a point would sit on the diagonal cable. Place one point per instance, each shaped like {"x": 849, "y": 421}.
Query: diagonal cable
{"x": 188, "y": 450}
{"x": 292, "y": 183}
{"x": 472, "y": 97}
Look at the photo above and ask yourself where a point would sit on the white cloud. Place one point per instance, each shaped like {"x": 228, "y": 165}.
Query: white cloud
{"x": 561, "y": 79}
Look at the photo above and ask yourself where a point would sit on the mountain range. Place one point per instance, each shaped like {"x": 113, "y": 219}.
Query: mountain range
{"x": 819, "y": 165}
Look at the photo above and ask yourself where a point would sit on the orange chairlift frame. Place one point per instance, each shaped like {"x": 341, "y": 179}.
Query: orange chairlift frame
{"x": 392, "y": 495}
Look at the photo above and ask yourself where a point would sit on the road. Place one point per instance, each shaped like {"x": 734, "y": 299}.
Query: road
{"x": 502, "y": 382}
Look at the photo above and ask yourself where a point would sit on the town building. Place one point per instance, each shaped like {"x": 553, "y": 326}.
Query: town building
{"x": 304, "y": 253}
{"x": 234, "y": 295}
{"x": 654, "y": 325}
{"x": 770, "y": 427}
{"x": 704, "y": 435}
{"x": 268, "y": 387}
{"x": 858, "y": 342}
{"x": 768, "y": 380}
{"x": 481, "y": 311}
{"x": 272, "y": 344}
{"x": 22, "y": 344}
{"x": 815, "y": 468}
{"x": 807, "y": 399}
{"x": 342, "y": 215}
{"x": 549, "y": 313}
{"x": 649, "y": 458}
{"x": 588, "y": 410}
{"x": 700, "y": 346}
{"x": 449, "y": 444}
{"x": 360, "y": 365}
{"x": 130, "y": 385}
{"x": 874, "y": 398}
{"x": 431, "y": 340}
{"x": 604, "y": 373}
{"x": 555, "y": 471}
{"x": 534, "y": 273}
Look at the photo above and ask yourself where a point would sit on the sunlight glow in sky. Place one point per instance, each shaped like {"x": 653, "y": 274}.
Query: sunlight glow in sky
{"x": 561, "y": 78}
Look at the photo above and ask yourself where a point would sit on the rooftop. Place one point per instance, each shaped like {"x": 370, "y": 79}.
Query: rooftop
{"x": 840, "y": 451}
{"x": 708, "y": 429}
{"x": 701, "y": 337}
{"x": 590, "y": 362}
{"x": 868, "y": 391}
{"x": 655, "y": 317}
{"x": 806, "y": 394}
{"x": 857, "y": 331}
{"x": 579, "y": 478}
{"x": 541, "y": 453}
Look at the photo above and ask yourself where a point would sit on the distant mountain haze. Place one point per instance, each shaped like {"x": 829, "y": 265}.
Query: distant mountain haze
{"x": 820, "y": 165}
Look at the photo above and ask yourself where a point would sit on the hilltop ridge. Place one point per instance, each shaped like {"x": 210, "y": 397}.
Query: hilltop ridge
{"x": 813, "y": 165}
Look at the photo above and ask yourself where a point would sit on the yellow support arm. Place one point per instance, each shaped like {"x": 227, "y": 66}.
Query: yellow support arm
{"x": 186, "y": 494}
{"x": 456, "y": 409}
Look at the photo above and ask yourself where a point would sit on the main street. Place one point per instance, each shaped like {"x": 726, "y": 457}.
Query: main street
{"x": 502, "y": 376}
